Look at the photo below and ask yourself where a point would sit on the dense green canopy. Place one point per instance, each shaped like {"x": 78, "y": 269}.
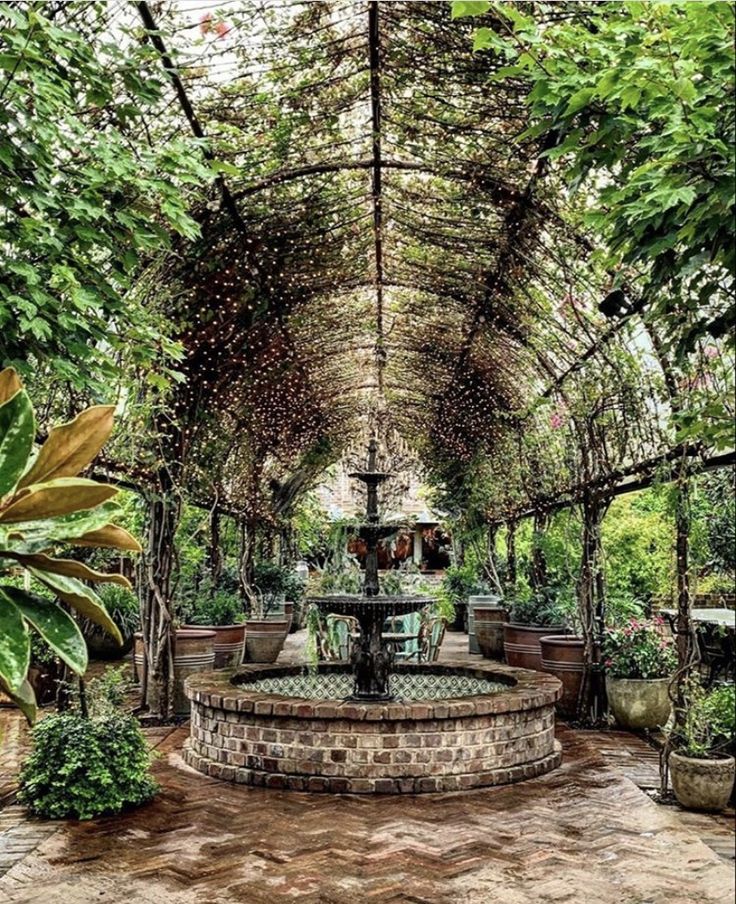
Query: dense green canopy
{"x": 360, "y": 222}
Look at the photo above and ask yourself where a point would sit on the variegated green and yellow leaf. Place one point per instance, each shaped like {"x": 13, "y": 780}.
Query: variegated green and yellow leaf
{"x": 71, "y": 447}
{"x": 69, "y": 567}
{"x": 56, "y": 498}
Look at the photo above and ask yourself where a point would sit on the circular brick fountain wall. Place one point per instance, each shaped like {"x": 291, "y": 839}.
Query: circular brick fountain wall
{"x": 256, "y": 738}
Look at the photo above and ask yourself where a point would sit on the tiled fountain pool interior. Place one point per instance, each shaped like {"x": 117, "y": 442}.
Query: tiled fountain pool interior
{"x": 313, "y": 685}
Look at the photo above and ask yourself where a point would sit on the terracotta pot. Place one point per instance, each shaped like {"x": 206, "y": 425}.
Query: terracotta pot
{"x": 229, "y": 643}
{"x": 488, "y": 622}
{"x": 702, "y": 784}
{"x": 521, "y": 644}
{"x": 639, "y": 702}
{"x": 563, "y": 657}
{"x": 264, "y": 638}
{"x": 195, "y": 652}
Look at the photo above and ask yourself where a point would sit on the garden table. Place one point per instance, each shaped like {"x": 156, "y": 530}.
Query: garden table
{"x": 716, "y": 638}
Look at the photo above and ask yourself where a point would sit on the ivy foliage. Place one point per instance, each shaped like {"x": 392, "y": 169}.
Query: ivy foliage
{"x": 87, "y": 192}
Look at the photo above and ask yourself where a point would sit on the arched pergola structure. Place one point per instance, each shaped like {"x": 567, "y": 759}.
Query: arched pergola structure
{"x": 388, "y": 246}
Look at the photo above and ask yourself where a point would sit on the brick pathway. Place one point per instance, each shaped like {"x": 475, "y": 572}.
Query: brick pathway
{"x": 583, "y": 833}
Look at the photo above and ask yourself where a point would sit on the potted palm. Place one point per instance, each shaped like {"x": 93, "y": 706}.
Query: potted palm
{"x": 702, "y": 765}
{"x": 530, "y": 620}
{"x": 639, "y": 661}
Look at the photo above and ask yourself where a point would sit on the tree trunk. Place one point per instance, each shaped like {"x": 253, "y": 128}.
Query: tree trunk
{"x": 245, "y": 565}
{"x": 539, "y": 576}
{"x": 510, "y": 555}
{"x": 687, "y": 649}
{"x": 591, "y": 602}
{"x": 159, "y": 634}
{"x": 158, "y": 628}
{"x": 214, "y": 551}
{"x": 491, "y": 568}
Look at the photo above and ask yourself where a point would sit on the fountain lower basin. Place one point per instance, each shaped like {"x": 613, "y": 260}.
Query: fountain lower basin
{"x": 496, "y": 729}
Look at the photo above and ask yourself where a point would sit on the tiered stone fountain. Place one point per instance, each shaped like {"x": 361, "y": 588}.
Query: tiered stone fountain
{"x": 370, "y": 726}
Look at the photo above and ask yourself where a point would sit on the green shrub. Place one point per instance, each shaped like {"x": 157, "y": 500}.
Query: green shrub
{"x": 82, "y": 767}
{"x": 218, "y": 607}
{"x": 710, "y": 722}
{"x": 544, "y": 608}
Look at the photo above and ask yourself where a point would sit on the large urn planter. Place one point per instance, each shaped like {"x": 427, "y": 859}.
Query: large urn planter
{"x": 521, "y": 644}
{"x": 488, "y": 621}
{"x": 194, "y": 652}
{"x": 702, "y": 784}
{"x": 264, "y": 638}
{"x": 563, "y": 655}
{"x": 638, "y": 703}
{"x": 102, "y": 646}
{"x": 229, "y": 643}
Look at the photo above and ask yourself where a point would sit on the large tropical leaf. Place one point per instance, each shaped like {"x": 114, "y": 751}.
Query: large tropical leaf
{"x": 69, "y": 567}
{"x": 109, "y": 536}
{"x": 71, "y": 447}
{"x": 79, "y": 597}
{"x": 23, "y": 697}
{"x": 56, "y": 626}
{"x": 17, "y": 430}
{"x": 29, "y": 537}
{"x": 15, "y": 645}
{"x": 57, "y": 497}
{"x": 9, "y": 384}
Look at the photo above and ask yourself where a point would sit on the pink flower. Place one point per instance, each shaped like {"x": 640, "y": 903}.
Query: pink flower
{"x": 556, "y": 420}
{"x": 712, "y": 352}
{"x": 222, "y": 29}
{"x": 205, "y": 23}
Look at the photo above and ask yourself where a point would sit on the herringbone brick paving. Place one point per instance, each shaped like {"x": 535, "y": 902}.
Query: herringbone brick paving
{"x": 583, "y": 833}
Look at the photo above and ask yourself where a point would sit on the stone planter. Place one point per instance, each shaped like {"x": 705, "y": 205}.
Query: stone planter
{"x": 195, "y": 652}
{"x": 521, "y": 644}
{"x": 638, "y": 703}
{"x": 702, "y": 784}
{"x": 229, "y": 643}
{"x": 563, "y": 657}
{"x": 264, "y": 638}
{"x": 488, "y": 622}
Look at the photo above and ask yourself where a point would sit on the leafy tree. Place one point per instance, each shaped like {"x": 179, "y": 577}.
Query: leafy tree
{"x": 87, "y": 192}
{"x": 636, "y": 101}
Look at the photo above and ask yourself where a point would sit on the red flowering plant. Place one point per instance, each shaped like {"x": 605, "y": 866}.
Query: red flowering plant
{"x": 639, "y": 649}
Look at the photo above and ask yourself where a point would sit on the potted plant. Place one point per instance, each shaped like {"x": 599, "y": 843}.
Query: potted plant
{"x": 530, "y": 620}
{"x": 639, "y": 661}
{"x": 702, "y": 765}
{"x": 222, "y": 612}
{"x": 194, "y": 651}
{"x": 123, "y": 609}
{"x": 268, "y": 622}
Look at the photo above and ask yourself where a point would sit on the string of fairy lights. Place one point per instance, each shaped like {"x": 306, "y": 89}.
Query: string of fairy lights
{"x": 278, "y": 323}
